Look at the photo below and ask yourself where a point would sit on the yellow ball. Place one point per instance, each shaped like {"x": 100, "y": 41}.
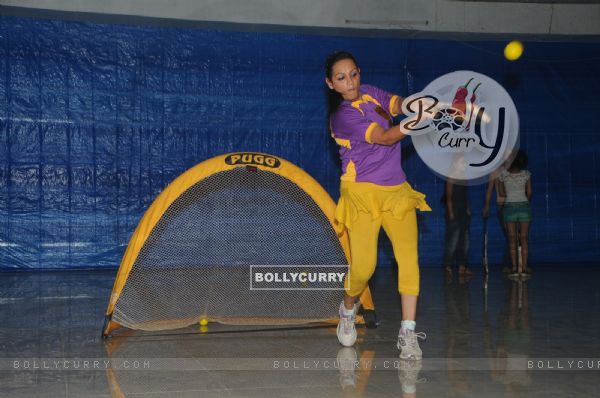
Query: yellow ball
{"x": 203, "y": 322}
{"x": 513, "y": 50}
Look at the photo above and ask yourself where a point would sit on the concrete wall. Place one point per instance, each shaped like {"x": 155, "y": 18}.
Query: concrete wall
{"x": 567, "y": 18}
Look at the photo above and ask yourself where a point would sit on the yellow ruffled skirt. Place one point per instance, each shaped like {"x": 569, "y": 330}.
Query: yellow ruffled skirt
{"x": 374, "y": 199}
{"x": 364, "y": 208}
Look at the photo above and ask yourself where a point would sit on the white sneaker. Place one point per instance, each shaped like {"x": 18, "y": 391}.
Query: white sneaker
{"x": 346, "y": 330}
{"x": 409, "y": 345}
{"x": 408, "y": 374}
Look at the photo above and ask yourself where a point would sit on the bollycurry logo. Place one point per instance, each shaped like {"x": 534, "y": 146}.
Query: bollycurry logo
{"x": 464, "y": 126}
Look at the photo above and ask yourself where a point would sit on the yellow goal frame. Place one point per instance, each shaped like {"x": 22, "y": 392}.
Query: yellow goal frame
{"x": 192, "y": 176}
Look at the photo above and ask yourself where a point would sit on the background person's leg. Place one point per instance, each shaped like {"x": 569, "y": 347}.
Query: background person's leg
{"x": 524, "y": 240}
{"x": 506, "y": 246}
{"x": 450, "y": 243}
{"x": 511, "y": 229}
{"x": 462, "y": 248}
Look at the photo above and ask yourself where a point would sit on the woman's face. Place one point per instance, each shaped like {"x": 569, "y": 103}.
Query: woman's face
{"x": 345, "y": 79}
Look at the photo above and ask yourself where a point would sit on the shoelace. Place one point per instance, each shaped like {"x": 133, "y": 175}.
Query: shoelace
{"x": 348, "y": 322}
{"x": 412, "y": 342}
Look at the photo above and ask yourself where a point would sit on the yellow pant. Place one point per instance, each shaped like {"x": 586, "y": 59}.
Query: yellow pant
{"x": 364, "y": 208}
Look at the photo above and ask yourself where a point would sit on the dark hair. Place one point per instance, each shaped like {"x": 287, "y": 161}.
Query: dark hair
{"x": 334, "y": 99}
{"x": 520, "y": 161}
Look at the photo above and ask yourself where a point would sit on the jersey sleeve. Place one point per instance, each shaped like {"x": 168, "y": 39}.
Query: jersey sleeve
{"x": 387, "y": 100}
{"x": 350, "y": 124}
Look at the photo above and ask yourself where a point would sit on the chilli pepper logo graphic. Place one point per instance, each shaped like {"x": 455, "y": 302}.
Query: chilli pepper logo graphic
{"x": 462, "y": 118}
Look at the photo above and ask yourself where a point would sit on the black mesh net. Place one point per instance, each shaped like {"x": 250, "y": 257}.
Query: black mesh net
{"x": 196, "y": 261}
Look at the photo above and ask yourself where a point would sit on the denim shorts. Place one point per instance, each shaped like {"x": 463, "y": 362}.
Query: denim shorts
{"x": 517, "y": 212}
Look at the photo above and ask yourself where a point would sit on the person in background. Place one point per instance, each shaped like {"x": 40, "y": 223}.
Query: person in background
{"x": 516, "y": 189}
{"x": 458, "y": 222}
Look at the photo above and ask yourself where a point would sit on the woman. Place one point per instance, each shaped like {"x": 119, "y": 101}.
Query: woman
{"x": 516, "y": 189}
{"x": 374, "y": 193}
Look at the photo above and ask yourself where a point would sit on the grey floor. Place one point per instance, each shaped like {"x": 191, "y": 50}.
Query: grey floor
{"x": 539, "y": 338}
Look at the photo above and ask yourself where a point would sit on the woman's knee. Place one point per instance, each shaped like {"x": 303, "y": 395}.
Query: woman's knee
{"x": 360, "y": 275}
{"x": 356, "y": 281}
{"x": 512, "y": 234}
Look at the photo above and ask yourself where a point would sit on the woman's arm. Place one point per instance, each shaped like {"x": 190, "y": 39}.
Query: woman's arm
{"x": 397, "y": 108}
{"x": 381, "y": 136}
{"x": 502, "y": 190}
{"x": 528, "y": 191}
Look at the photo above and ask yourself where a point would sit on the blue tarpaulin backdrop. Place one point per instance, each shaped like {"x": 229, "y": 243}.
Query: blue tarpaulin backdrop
{"x": 95, "y": 120}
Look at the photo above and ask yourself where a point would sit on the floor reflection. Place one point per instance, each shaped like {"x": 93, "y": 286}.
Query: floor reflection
{"x": 458, "y": 325}
{"x": 477, "y": 341}
{"x": 513, "y": 340}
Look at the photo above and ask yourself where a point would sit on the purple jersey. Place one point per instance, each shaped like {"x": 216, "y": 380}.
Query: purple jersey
{"x": 351, "y": 127}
